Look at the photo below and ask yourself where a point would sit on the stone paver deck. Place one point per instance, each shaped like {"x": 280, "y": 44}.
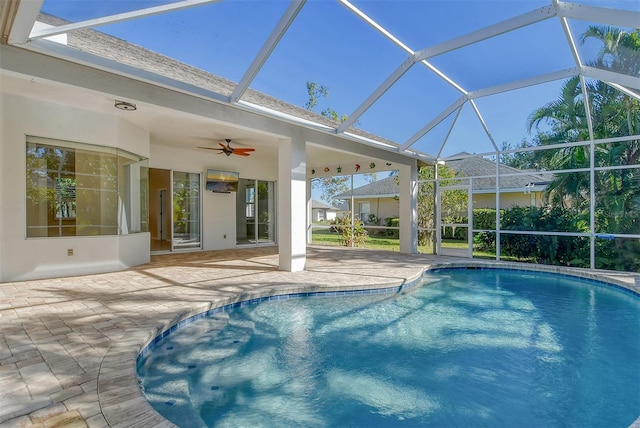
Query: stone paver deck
{"x": 68, "y": 346}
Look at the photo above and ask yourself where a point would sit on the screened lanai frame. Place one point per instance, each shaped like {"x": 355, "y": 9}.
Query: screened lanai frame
{"x": 564, "y": 12}
{"x": 24, "y": 34}
{"x": 594, "y": 234}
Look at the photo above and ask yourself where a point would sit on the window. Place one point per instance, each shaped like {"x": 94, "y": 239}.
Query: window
{"x": 250, "y": 202}
{"x": 365, "y": 210}
{"x": 77, "y": 189}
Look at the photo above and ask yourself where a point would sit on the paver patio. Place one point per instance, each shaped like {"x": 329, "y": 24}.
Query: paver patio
{"x": 68, "y": 346}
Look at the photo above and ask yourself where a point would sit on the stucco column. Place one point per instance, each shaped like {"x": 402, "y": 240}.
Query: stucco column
{"x": 292, "y": 205}
{"x": 409, "y": 208}
{"x": 309, "y": 212}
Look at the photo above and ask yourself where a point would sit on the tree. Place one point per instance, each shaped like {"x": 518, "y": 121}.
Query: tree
{"x": 334, "y": 185}
{"x": 567, "y": 120}
{"x": 315, "y": 92}
{"x": 454, "y": 204}
{"x": 620, "y": 49}
{"x": 613, "y": 114}
{"x": 518, "y": 160}
{"x": 331, "y": 186}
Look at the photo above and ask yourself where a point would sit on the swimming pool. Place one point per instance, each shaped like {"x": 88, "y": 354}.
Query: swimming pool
{"x": 473, "y": 347}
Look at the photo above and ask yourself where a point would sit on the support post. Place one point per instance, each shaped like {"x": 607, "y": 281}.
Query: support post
{"x": 409, "y": 208}
{"x": 292, "y": 205}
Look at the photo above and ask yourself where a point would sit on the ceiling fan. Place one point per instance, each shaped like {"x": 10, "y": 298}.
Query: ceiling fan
{"x": 228, "y": 150}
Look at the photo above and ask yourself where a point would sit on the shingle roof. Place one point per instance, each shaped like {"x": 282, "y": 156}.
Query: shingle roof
{"x": 123, "y": 52}
{"x": 471, "y": 166}
{"x": 476, "y": 166}
{"x": 322, "y": 206}
{"x": 387, "y": 187}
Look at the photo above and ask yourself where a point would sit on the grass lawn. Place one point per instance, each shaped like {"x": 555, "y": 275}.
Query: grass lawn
{"x": 326, "y": 237}
{"x": 386, "y": 243}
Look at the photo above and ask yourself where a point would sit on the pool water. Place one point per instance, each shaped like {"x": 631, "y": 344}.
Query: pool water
{"x": 470, "y": 348}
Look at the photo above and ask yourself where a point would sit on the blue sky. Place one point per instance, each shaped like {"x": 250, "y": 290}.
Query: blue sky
{"x": 331, "y": 46}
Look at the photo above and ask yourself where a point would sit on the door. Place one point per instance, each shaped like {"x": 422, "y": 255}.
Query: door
{"x": 256, "y": 213}
{"x": 454, "y": 219}
{"x": 174, "y": 210}
{"x": 160, "y": 209}
{"x": 186, "y": 210}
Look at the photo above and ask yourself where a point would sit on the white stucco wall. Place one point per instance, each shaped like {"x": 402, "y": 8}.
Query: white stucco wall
{"x": 33, "y": 258}
{"x": 218, "y": 209}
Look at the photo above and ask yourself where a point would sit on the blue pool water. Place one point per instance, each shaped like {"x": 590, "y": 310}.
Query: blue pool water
{"x": 491, "y": 348}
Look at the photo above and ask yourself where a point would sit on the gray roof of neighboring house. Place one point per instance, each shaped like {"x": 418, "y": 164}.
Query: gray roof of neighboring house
{"x": 471, "y": 166}
{"x": 321, "y": 205}
{"x": 315, "y": 204}
{"x": 476, "y": 166}
{"x": 139, "y": 58}
{"x": 387, "y": 187}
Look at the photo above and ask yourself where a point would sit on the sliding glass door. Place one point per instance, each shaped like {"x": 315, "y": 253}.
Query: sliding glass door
{"x": 256, "y": 212}
{"x": 186, "y": 210}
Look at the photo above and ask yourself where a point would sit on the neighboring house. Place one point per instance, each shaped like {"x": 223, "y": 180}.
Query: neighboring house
{"x": 325, "y": 212}
{"x": 379, "y": 199}
{"x": 517, "y": 188}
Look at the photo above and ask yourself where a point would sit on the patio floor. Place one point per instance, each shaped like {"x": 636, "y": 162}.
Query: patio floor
{"x": 68, "y": 346}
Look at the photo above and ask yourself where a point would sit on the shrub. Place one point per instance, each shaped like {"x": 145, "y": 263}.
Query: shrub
{"x": 392, "y": 222}
{"x": 552, "y": 250}
{"x": 484, "y": 218}
{"x": 344, "y": 227}
{"x": 458, "y": 233}
{"x": 618, "y": 254}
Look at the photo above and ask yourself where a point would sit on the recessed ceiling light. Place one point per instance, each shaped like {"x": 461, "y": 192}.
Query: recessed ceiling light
{"x": 123, "y": 105}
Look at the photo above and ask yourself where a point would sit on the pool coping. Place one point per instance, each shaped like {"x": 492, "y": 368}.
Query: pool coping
{"x": 123, "y": 404}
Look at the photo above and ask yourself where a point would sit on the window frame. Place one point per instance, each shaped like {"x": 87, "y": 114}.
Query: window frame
{"x": 105, "y": 192}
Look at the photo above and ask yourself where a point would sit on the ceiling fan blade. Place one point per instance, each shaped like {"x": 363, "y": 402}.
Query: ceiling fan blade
{"x": 209, "y": 148}
{"x": 236, "y": 152}
{"x": 243, "y": 150}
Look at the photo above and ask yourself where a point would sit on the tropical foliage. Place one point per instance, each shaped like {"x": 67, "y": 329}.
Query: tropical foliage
{"x": 616, "y": 191}
{"x": 585, "y": 110}
{"x": 451, "y": 206}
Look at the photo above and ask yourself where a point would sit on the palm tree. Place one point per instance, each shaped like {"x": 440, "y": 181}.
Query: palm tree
{"x": 614, "y": 114}
{"x": 620, "y": 50}
{"x": 567, "y": 120}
